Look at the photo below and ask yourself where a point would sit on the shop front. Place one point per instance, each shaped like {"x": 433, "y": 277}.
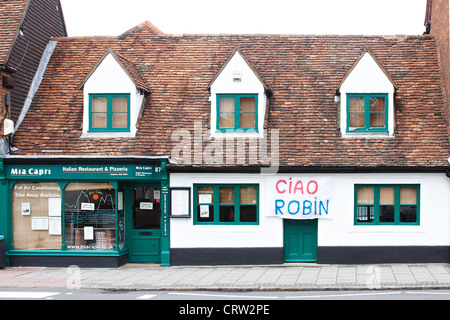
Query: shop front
{"x": 84, "y": 214}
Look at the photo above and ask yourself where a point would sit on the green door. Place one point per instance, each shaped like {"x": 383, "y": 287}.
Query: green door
{"x": 144, "y": 242}
{"x": 300, "y": 240}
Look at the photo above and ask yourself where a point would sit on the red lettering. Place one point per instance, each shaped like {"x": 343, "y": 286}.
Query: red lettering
{"x": 316, "y": 187}
{"x": 276, "y": 186}
{"x": 297, "y": 187}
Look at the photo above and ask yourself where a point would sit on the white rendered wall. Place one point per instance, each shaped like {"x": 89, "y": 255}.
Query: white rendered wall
{"x": 109, "y": 77}
{"x": 249, "y": 84}
{"x": 434, "y": 228}
{"x": 366, "y": 77}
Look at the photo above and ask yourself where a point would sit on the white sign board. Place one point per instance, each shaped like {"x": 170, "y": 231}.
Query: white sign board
{"x": 300, "y": 197}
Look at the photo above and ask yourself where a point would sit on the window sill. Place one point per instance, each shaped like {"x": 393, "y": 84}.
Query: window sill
{"x": 367, "y": 135}
{"x": 107, "y": 135}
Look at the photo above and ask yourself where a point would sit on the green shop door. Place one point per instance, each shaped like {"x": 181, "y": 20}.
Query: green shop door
{"x": 300, "y": 240}
{"x": 144, "y": 242}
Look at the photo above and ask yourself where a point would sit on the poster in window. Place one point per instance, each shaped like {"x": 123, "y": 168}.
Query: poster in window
{"x": 26, "y": 209}
{"x": 204, "y": 211}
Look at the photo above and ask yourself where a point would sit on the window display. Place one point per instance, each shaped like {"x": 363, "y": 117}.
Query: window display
{"x": 36, "y": 215}
{"x": 90, "y": 216}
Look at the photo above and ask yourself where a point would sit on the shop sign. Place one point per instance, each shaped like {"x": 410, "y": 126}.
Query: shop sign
{"x": 299, "y": 197}
{"x": 119, "y": 172}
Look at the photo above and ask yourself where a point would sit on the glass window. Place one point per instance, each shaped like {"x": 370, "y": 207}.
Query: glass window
{"x": 237, "y": 111}
{"x": 109, "y": 112}
{"x": 36, "y": 215}
{"x": 226, "y": 204}
{"x": 248, "y": 204}
{"x": 367, "y": 112}
{"x": 89, "y": 216}
{"x": 226, "y": 112}
{"x": 383, "y": 204}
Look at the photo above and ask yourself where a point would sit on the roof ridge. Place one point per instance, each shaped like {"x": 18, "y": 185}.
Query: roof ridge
{"x": 144, "y": 24}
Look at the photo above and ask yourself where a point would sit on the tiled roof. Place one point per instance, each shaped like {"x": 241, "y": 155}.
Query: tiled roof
{"x": 11, "y": 14}
{"x": 302, "y": 71}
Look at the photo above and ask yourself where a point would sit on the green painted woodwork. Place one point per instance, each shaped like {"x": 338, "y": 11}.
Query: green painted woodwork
{"x": 300, "y": 240}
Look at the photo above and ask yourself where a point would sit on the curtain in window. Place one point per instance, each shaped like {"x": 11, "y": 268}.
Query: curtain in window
{"x": 247, "y": 116}
{"x": 99, "y": 112}
{"x": 356, "y": 111}
{"x": 226, "y": 112}
{"x": 120, "y": 112}
{"x": 377, "y": 106}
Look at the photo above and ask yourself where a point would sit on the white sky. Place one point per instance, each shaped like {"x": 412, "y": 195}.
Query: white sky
{"x": 370, "y": 17}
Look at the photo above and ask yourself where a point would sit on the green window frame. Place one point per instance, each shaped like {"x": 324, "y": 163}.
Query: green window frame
{"x": 387, "y": 204}
{"x": 226, "y": 204}
{"x": 108, "y": 113}
{"x": 370, "y": 115}
{"x": 237, "y": 113}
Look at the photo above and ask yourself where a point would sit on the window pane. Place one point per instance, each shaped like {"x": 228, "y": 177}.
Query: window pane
{"x": 356, "y": 111}
{"x": 377, "y": 120}
{"x": 146, "y": 216}
{"x": 226, "y": 194}
{"x": 365, "y": 214}
{"x": 387, "y": 196}
{"x": 205, "y": 195}
{"x": 377, "y": 107}
{"x": 120, "y": 104}
{"x": 408, "y": 195}
{"x": 99, "y": 120}
{"x": 205, "y": 213}
{"x": 99, "y": 104}
{"x": 226, "y": 120}
{"x": 226, "y": 104}
{"x": 89, "y": 216}
{"x": 36, "y": 215}
{"x": 120, "y": 120}
{"x": 248, "y": 104}
{"x": 377, "y": 104}
{"x": 247, "y": 213}
{"x": 226, "y": 213}
{"x": 226, "y": 112}
{"x": 248, "y": 195}
{"x": 387, "y": 213}
{"x": 408, "y": 213}
{"x": 247, "y": 120}
{"x": 365, "y": 195}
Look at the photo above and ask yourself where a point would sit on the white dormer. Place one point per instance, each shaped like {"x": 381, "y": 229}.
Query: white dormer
{"x": 113, "y": 95}
{"x": 238, "y": 99}
{"x": 367, "y": 100}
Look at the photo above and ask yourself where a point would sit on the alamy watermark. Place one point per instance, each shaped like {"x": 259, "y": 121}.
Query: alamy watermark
{"x": 240, "y": 147}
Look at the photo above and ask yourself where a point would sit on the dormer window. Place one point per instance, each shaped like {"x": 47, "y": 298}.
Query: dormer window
{"x": 109, "y": 112}
{"x": 367, "y": 112}
{"x": 367, "y": 99}
{"x": 239, "y": 99}
{"x": 113, "y": 95}
{"x": 237, "y": 111}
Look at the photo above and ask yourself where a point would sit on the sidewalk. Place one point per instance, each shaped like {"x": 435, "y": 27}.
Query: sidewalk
{"x": 279, "y": 277}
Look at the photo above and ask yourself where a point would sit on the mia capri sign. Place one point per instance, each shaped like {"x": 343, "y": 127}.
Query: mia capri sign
{"x": 299, "y": 197}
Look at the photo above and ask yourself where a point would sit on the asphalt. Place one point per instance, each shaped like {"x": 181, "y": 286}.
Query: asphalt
{"x": 233, "y": 278}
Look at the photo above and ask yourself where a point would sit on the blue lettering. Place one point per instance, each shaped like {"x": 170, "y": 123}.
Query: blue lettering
{"x": 289, "y": 207}
{"x": 321, "y": 205}
{"x": 277, "y": 207}
{"x": 307, "y": 207}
